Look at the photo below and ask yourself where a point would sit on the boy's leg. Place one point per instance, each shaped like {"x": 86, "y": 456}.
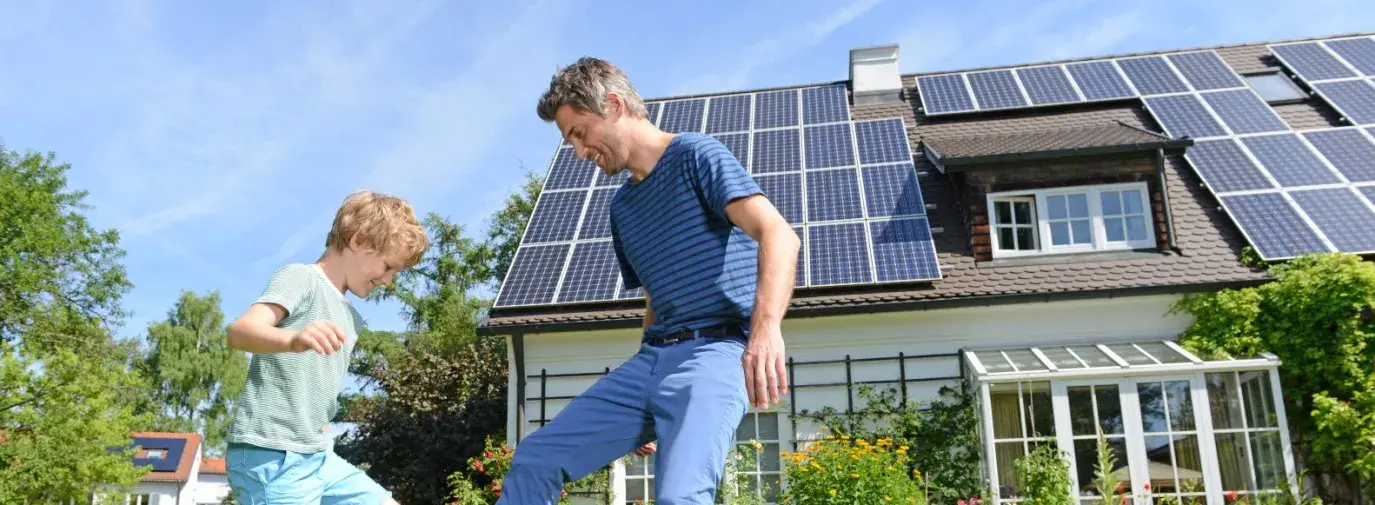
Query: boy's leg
{"x": 345, "y": 484}
{"x": 604, "y": 423}
{"x": 697, "y": 407}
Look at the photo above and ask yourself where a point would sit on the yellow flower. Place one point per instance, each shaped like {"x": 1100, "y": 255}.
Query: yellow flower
{"x": 890, "y": 468}
{"x": 854, "y": 475}
{"x": 833, "y": 492}
{"x": 888, "y": 498}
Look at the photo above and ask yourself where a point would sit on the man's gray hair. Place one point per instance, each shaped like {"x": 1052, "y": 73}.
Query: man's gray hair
{"x": 584, "y": 85}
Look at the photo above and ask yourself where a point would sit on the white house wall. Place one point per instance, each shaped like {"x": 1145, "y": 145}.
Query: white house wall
{"x": 936, "y": 332}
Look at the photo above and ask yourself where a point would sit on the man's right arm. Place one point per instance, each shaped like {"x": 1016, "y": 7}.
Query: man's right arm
{"x": 649, "y": 312}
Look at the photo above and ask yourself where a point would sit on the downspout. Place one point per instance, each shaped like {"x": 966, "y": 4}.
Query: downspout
{"x": 1165, "y": 199}
{"x": 518, "y": 349}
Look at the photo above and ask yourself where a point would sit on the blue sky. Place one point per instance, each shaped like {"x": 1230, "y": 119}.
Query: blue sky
{"x": 219, "y": 139}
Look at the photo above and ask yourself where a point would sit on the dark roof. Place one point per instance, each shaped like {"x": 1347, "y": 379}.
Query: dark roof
{"x": 1208, "y": 243}
{"x": 1114, "y": 137}
{"x": 180, "y": 454}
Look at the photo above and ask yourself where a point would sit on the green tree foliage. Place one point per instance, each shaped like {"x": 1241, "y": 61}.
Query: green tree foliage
{"x": 1316, "y": 316}
{"x": 65, "y": 386}
{"x": 507, "y": 226}
{"x": 193, "y": 375}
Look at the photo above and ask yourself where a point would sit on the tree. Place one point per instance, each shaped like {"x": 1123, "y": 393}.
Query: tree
{"x": 1318, "y": 317}
{"x": 193, "y": 375}
{"x": 66, "y": 389}
{"x": 441, "y": 313}
{"x": 507, "y": 226}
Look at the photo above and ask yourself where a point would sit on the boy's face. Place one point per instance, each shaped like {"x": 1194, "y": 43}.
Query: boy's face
{"x": 596, "y": 138}
{"x": 367, "y": 270}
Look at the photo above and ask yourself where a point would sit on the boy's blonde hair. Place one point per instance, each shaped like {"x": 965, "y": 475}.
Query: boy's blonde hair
{"x": 383, "y": 223}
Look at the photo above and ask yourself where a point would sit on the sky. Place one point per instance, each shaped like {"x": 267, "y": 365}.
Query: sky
{"x": 219, "y": 138}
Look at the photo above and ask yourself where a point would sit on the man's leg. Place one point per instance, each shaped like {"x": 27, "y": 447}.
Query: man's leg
{"x": 604, "y": 423}
{"x": 697, "y": 407}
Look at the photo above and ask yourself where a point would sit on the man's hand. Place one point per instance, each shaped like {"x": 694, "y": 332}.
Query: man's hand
{"x": 646, "y": 450}
{"x": 322, "y": 337}
{"x": 766, "y": 373}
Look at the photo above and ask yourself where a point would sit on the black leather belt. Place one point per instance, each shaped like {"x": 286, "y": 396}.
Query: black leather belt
{"x": 686, "y": 335}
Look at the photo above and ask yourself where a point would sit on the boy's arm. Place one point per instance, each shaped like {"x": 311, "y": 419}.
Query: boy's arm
{"x": 256, "y": 331}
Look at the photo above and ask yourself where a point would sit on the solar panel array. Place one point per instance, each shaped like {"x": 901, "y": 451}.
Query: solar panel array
{"x": 1079, "y": 82}
{"x": 1341, "y": 71}
{"x": 849, "y": 187}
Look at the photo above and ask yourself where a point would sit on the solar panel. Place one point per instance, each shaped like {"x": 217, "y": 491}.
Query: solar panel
{"x": 837, "y": 254}
{"x": 785, "y": 192}
{"x": 1341, "y": 215}
{"x": 174, "y": 448}
{"x": 1289, "y": 161}
{"x": 653, "y": 109}
{"x": 1360, "y": 53}
{"x": 1272, "y": 225}
{"x": 996, "y": 89}
{"x": 1369, "y": 192}
{"x": 775, "y": 109}
{"x": 776, "y": 151}
{"x": 1351, "y": 152}
{"x": 612, "y": 181}
{"x": 1152, "y": 76}
{"x": 596, "y": 223}
{"x": 882, "y": 141}
{"x": 683, "y": 116}
{"x": 1354, "y": 99}
{"x": 825, "y": 104}
{"x": 1225, "y": 167}
{"x": 1047, "y": 85}
{"x": 941, "y": 94}
{"x": 592, "y": 273}
{"x": 739, "y": 146}
{"x": 1311, "y": 62}
{"x": 1099, "y": 80}
{"x": 1244, "y": 112}
{"x": 555, "y": 217}
{"x": 800, "y": 274}
{"x": 830, "y": 146}
{"x": 569, "y": 172}
{"x": 833, "y": 195}
{"x": 729, "y": 114}
{"x": 1184, "y": 116}
{"x": 629, "y": 294}
{"x": 892, "y": 190}
{"x": 533, "y": 276}
{"x": 904, "y": 250}
{"x": 1206, "y": 70}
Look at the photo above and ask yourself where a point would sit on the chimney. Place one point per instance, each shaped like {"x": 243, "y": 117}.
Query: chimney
{"x": 874, "y": 75}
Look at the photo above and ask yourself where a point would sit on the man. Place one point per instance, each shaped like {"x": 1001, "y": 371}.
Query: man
{"x": 716, "y": 260}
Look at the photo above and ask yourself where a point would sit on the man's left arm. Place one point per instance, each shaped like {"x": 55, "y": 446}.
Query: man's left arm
{"x": 765, "y": 363}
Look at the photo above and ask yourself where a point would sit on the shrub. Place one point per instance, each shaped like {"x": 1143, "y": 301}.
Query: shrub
{"x": 488, "y": 470}
{"x": 841, "y": 469}
{"x": 1043, "y": 477}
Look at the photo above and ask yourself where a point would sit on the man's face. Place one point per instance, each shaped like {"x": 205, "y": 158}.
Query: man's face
{"x": 595, "y": 138}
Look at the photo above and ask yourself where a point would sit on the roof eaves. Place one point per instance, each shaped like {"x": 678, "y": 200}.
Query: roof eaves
{"x": 955, "y": 164}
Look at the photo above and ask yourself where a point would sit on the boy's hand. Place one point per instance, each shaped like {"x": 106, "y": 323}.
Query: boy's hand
{"x": 323, "y": 337}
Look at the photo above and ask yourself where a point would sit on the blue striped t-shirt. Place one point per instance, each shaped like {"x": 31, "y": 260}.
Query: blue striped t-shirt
{"x": 672, "y": 237}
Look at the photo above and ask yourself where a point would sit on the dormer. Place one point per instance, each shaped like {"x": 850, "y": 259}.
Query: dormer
{"x": 1057, "y": 195}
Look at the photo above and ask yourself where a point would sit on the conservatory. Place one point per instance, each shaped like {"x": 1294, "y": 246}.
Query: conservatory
{"x": 1195, "y": 430}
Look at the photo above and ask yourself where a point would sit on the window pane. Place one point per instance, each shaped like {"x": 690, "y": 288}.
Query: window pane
{"x": 1003, "y": 210}
{"x": 1131, "y": 202}
{"x": 635, "y": 490}
{"x": 1007, "y": 421}
{"x": 1093, "y": 356}
{"x": 1112, "y": 203}
{"x": 993, "y": 361}
{"x": 745, "y": 431}
{"x": 1007, "y": 239}
{"x": 1086, "y": 462}
{"x": 1161, "y": 464}
{"x": 1188, "y": 463}
{"x": 1269, "y": 463}
{"x": 1273, "y": 87}
{"x": 1162, "y": 352}
{"x": 1040, "y": 415}
{"x": 1025, "y": 360}
{"x": 1260, "y": 404}
{"x": 768, "y": 426}
{"x": 1129, "y": 353}
{"x": 1079, "y": 205}
{"x": 1007, "y": 454}
{"x": 1223, "y": 401}
{"x": 1023, "y": 210}
{"x": 1231, "y": 459}
{"x": 1181, "y": 404}
{"x": 1081, "y": 410}
{"x": 1026, "y": 239}
{"x": 1152, "y": 399}
{"x": 1061, "y": 358}
{"x": 769, "y": 460}
{"x": 1059, "y": 233}
{"x": 1136, "y": 228}
{"x": 1081, "y": 232}
{"x": 1114, "y": 227}
{"x": 1109, "y": 409}
{"x": 1055, "y": 207}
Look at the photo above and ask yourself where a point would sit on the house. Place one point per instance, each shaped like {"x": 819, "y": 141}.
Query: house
{"x": 179, "y": 475}
{"x": 1023, "y": 228}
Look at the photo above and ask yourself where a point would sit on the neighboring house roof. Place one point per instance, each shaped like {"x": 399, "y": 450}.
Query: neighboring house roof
{"x": 213, "y": 466}
{"x": 1207, "y": 241}
{"x": 171, "y": 455}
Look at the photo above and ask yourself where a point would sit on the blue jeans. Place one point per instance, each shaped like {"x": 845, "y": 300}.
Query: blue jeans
{"x": 688, "y": 396}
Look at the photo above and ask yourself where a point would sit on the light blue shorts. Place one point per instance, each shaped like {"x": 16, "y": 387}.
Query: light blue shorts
{"x": 261, "y": 476}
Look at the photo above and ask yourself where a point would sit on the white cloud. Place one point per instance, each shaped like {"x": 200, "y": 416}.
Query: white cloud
{"x": 768, "y": 51}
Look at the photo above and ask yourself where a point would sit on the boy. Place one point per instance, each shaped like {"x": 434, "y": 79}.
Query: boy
{"x": 301, "y": 332}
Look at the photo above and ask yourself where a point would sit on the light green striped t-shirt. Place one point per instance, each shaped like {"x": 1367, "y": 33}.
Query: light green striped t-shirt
{"x": 290, "y": 397}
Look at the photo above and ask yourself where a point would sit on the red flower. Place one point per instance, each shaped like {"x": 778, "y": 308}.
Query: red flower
{"x": 1124, "y": 500}
{"x": 1148, "y": 486}
{"x": 1231, "y": 495}
{"x": 487, "y": 454}
{"x": 478, "y": 466}
{"x": 563, "y": 493}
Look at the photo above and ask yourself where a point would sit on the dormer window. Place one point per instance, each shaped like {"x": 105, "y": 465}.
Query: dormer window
{"x": 1071, "y": 220}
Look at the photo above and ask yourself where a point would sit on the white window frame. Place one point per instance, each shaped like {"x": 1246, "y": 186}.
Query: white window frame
{"x": 1097, "y": 231}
